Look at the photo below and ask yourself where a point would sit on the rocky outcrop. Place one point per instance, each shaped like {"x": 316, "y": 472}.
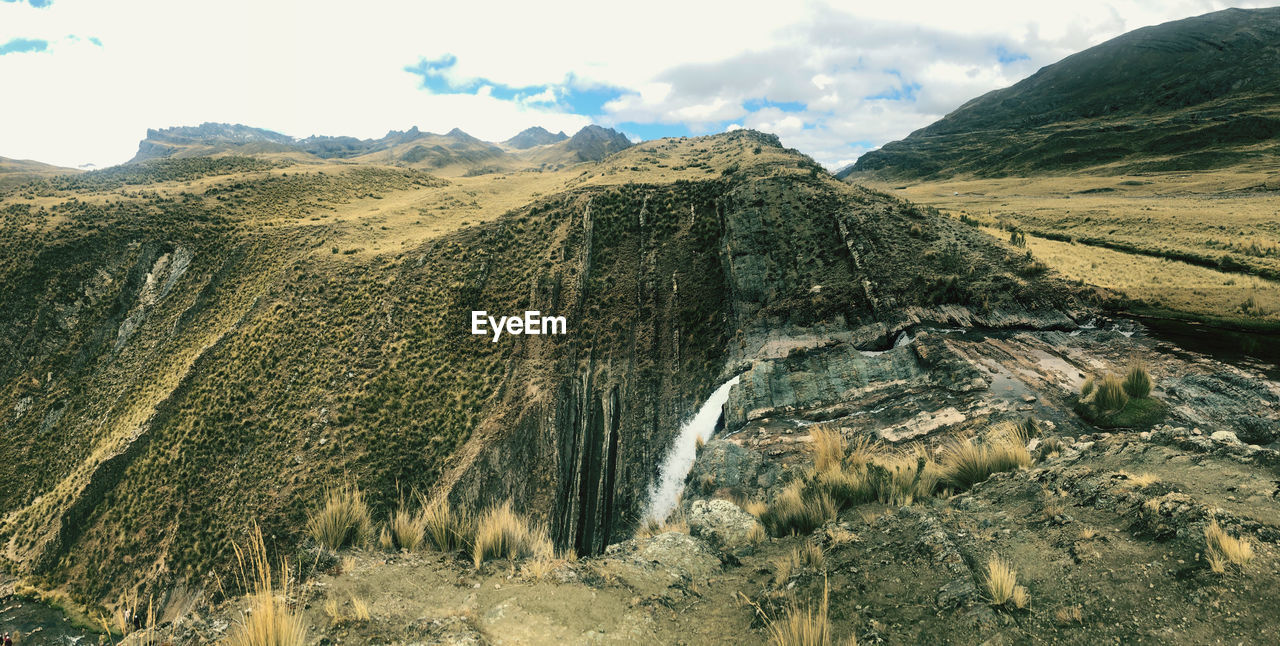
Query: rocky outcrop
{"x": 721, "y": 523}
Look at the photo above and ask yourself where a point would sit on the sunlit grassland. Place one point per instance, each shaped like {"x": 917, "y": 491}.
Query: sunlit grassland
{"x": 1201, "y": 243}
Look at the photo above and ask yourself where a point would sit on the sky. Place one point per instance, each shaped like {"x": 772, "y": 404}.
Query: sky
{"x": 84, "y": 79}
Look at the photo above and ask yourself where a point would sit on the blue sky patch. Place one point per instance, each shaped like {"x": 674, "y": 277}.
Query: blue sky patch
{"x": 21, "y": 45}
{"x": 904, "y": 92}
{"x": 38, "y": 4}
{"x": 1005, "y": 56}
{"x": 751, "y": 105}
{"x": 588, "y": 101}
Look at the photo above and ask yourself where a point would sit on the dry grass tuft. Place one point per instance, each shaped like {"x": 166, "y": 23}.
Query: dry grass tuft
{"x": 503, "y": 534}
{"x": 1088, "y": 533}
{"x": 1111, "y": 395}
{"x": 269, "y": 621}
{"x": 1140, "y": 480}
{"x": 1137, "y": 382}
{"x": 966, "y": 462}
{"x": 1069, "y": 615}
{"x": 1223, "y": 549}
{"x": 408, "y": 529}
{"x": 828, "y": 449}
{"x": 756, "y": 534}
{"x": 342, "y": 521}
{"x": 1087, "y": 388}
{"x": 1001, "y": 582}
{"x": 756, "y": 507}
{"x": 803, "y": 626}
{"x": 797, "y": 510}
{"x": 360, "y": 609}
{"x": 447, "y": 530}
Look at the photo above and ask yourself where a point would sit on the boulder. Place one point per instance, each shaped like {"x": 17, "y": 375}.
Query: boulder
{"x": 720, "y": 523}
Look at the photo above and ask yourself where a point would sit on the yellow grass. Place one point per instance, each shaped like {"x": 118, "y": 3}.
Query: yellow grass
{"x": 966, "y": 462}
{"x": 797, "y": 511}
{"x": 1221, "y": 548}
{"x": 1206, "y": 213}
{"x": 503, "y": 534}
{"x": 804, "y": 626}
{"x": 1001, "y": 583}
{"x": 1110, "y": 395}
{"x": 343, "y": 520}
{"x": 828, "y": 449}
{"x": 447, "y": 530}
{"x": 408, "y": 529}
{"x": 269, "y": 622}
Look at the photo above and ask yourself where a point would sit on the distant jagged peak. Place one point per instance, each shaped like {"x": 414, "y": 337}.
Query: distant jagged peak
{"x": 535, "y": 136}
{"x": 594, "y": 143}
{"x": 458, "y": 133}
{"x": 218, "y": 132}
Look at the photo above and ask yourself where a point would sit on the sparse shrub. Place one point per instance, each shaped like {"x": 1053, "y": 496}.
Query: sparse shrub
{"x": 269, "y": 621}
{"x": 1137, "y": 382}
{"x": 799, "y": 511}
{"x": 966, "y": 462}
{"x": 1222, "y": 548}
{"x": 828, "y": 449}
{"x": 1051, "y": 446}
{"x": 501, "y": 533}
{"x": 1069, "y": 615}
{"x": 408, "y": 529}
{"x": 1087, "y": 387}
{"x": 1111, "y": 395}
{"x": 342, "y": 521}
{"x": 803, "y": 626}
{"x": 1001, "y": 582}
{"x": 447, "y": 530}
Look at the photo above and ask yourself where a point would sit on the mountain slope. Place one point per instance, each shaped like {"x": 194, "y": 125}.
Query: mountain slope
{"x": 183, "y": 361}
{"x": 535, "y": 136}
{"x": 1197, "y": 93}
{"x": 19, "y": 171}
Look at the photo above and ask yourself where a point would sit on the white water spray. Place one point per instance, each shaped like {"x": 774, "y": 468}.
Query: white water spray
{"x": 664, "y": 493}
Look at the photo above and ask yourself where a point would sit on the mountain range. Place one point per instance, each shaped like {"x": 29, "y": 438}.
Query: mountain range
{"x": 451, "y": 153}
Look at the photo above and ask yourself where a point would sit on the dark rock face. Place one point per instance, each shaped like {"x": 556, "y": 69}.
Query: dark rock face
{"x": 1200, "y": 90}
{"x": 693, "y": 270}
{"x": 594, "y": 143}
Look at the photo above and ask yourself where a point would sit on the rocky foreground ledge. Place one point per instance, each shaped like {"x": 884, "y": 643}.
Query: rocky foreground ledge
{"x": 1106, "y": 529}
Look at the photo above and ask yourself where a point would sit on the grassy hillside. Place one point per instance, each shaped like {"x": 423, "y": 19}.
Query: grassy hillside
{"x": 193, "y": 345}
{"x": 1202, "y": 245}
{"x": 1191, "y": 94}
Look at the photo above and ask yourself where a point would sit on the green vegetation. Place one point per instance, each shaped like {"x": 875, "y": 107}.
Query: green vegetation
{"x": 1121, "y": 402}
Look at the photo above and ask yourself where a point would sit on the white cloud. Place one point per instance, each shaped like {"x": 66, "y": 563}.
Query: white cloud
{"x": 325, "y": 67}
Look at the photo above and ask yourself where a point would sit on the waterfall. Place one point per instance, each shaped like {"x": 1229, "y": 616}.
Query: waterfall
{"x": 675, "y": 467}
